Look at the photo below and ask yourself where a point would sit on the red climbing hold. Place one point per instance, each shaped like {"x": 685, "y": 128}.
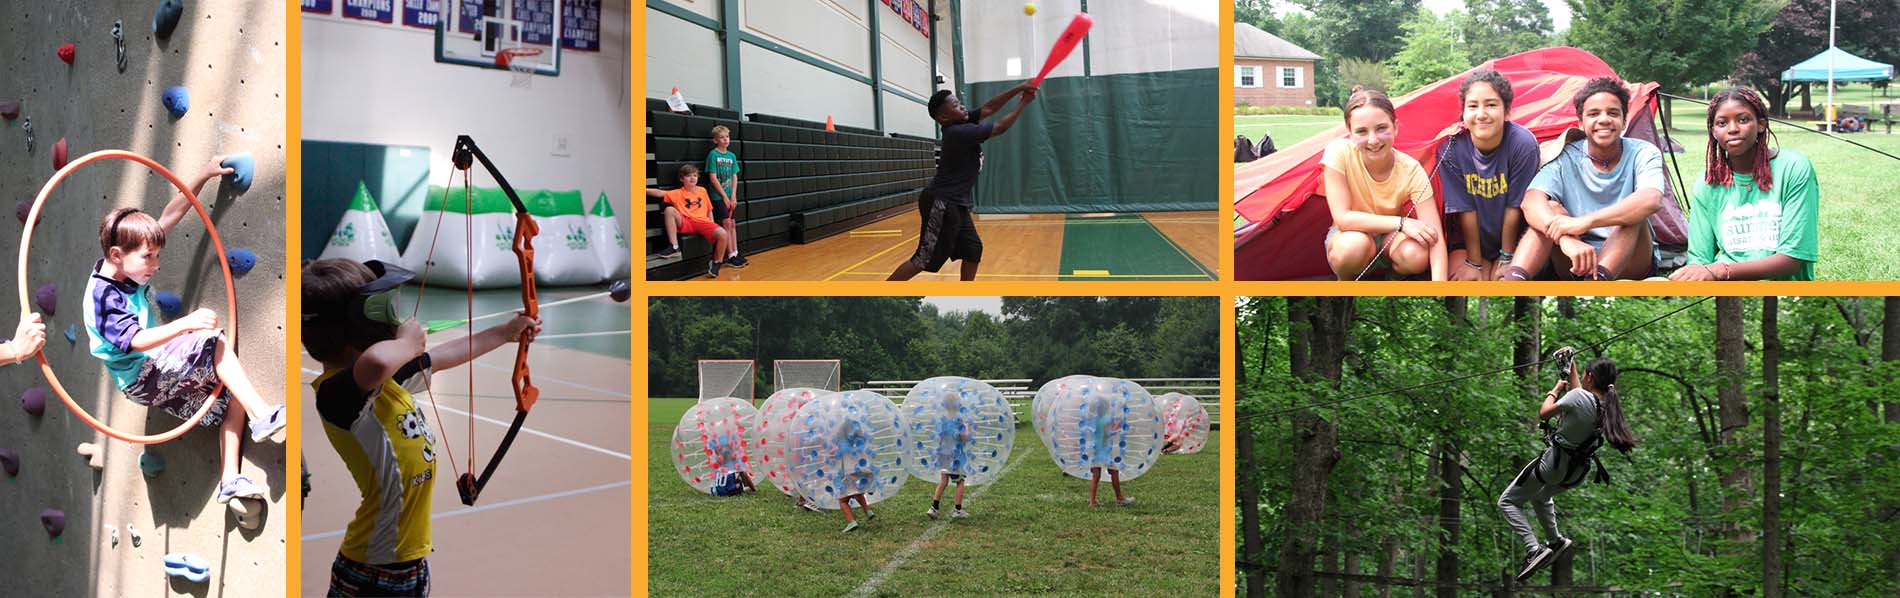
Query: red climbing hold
{"x": 66, "y": 53}
{"x": 59, "y": 154}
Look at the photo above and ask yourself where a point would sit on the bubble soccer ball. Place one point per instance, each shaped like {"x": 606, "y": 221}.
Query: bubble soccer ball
{"x": 1184, "y": 423}
{"x": 1104, "y": 422}
{"x": 771, "y": 440}
{"x": 847, "y": 443}
{"x": 958, "y": 426}
{"x": 1039, "y": 407}
{"x": 710, "y": 441}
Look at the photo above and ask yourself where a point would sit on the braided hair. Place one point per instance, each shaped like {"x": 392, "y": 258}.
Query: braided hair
{"x": 1616, "y": 429}
{"x": 1719, "y": 173}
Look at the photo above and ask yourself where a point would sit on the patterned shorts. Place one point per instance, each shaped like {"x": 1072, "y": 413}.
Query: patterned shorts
{"x": 351, "y": 578}
{"x": 178, "y": 378}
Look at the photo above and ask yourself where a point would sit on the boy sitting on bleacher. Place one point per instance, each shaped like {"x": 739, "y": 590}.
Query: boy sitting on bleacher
{"x": 722, "y": 168}
{"x": 688, "y": 210}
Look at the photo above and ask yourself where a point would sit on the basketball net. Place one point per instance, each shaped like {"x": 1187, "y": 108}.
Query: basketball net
{"x": 523, "y": 70}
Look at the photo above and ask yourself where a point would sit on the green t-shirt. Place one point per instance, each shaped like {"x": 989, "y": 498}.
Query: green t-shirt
{"x": 1740, "y": 222}
{"x": 725, "y": 166}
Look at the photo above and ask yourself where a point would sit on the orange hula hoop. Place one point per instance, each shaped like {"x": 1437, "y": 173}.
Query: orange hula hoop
{"x": 230, "y": 291}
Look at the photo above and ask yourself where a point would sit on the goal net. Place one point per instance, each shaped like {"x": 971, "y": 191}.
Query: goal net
{"x": 806, "y": 373}
{"x": 719, "y": 378}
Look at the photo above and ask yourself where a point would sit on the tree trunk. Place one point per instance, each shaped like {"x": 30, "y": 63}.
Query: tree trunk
{"x": 1451, "y": 488}
{"x": 1731, "y": 366}
{"x": 1890, "y": 349}
{"x": 1389, "y": 547}
{"x": 1351, "y": 588}
{"x": 1322, "y": 338}
{"x": 1807, "y": 99}
{"x": 1567, "y": 307}
{"x": 1248, "y": 490}
{"x": 1329, "y": 560}
{"x": 1771, "y": 449}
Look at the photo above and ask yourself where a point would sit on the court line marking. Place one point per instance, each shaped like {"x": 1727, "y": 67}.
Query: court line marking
{"x": 1178, "y": 249}
{"x": 873, "y": 256}
{"x": 492, "y": 506}
{"x": 524, "y": 429}
{"x": 606, "y": 391}
{"x": 581, "y": 334}
{"x": 877, "y": 579}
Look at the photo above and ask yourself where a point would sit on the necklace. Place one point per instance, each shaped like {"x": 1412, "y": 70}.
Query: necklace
{"x": 1609, "y": 164}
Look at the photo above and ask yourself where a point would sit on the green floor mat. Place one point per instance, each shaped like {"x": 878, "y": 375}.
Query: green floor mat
{"x": 1123, "y": 247}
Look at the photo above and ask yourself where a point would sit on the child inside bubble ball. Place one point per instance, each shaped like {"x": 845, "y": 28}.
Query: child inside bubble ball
{"x": 855, "y": 473}
{"x": 1103, "y": 420}
{"x": 734, "y": 480}
{"x": 953, "y": 433}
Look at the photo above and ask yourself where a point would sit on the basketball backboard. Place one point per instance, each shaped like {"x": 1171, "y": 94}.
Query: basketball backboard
{"x": 496, "y": 34}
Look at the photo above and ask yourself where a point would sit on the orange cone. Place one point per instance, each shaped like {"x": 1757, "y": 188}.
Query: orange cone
{"x": 828, "y": 126}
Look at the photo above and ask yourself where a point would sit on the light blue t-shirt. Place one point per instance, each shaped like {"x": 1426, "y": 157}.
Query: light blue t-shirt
{"x": 1573, "y": 181}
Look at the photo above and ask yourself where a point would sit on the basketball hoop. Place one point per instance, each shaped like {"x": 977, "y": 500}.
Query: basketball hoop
{"x": 523, "y": 70}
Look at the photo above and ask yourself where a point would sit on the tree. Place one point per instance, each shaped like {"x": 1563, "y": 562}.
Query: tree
{"x": 1320, "y": 326}
{"x": 1498, "y": 28}
{"x": 1676, "y": 44}
{"x": 1364, "y": 73}
{"x": 1359, "y": 28}
{"x": 1771, "y": 448}
{"x": 1799, "y": 31}
{"x": 1258, "y": 13}
{"x": 1431, "y": 53}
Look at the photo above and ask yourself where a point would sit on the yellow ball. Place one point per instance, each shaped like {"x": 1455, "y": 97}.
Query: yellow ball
{"x": 1029, "y": 8}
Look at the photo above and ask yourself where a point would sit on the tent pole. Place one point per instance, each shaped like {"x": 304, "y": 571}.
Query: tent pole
{"x": 1830, "y": 65}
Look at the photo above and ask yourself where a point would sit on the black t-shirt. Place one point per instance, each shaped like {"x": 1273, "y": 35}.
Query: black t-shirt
{"x": 960, "y": 162}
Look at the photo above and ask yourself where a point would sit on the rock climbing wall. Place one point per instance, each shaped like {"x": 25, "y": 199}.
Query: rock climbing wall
{"x": 229, "y": 55}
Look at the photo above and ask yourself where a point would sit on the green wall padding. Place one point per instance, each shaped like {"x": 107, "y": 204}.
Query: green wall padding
{"x": 1136, "y": 142}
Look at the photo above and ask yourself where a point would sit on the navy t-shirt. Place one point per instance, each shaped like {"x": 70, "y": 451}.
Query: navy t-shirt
{"x": 960, "y": 162}
{"x": 1472, "y": 181}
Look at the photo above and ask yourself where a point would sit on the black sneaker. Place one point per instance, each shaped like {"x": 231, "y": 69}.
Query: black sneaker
{"x": 669, "y": 253}
{"x": 1561, "y": 546}
{"x": 1534, "y": 560}
{"x": 737, "y": 261}
{"x": 712, "y": 269}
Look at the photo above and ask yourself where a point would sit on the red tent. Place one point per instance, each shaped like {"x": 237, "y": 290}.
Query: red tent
{"x": 1280, "y": 213}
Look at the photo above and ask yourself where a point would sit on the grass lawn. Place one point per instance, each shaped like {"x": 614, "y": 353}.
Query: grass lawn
{"x": 1032, "y": 531}
{"x": 1855, "y": 184}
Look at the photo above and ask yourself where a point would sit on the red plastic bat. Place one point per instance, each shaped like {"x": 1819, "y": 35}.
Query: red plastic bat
{"x": 1078, "y": 29}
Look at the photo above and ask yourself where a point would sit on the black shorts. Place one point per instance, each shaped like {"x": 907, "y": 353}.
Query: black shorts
{"x": 948, "y": 234}
{"x": 719, "y": 211}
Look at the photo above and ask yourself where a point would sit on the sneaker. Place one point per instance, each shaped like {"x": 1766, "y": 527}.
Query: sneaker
{"x": 850, "y": 526}
{"x": 669, "y": 253}
{"x": 807, "y": 505}
{"x": 959, "y": 514}
{"x": 737, "y": 261}
{"x": 269, "y": 426}
{"x": 239, "y": 487}
{"x": 712, "y": 269}
{"x": 869, "y": 514}
{"x": 1125, "y": 501}
{"x": 1561, "y": 546}
{"x": 1534, "y": 560}
{"x": 932, "y": 513}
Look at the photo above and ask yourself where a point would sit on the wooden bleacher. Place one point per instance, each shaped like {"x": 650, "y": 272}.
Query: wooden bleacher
{"x": 798, "y": 182}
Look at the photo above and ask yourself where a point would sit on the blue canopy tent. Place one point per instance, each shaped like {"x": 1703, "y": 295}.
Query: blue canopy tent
{"x": 1847, "y": 67}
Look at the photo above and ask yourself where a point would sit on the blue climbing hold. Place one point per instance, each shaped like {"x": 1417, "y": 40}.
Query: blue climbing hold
{"x": 241, "y": 259}
{"x": 241, "y": 165}
{"x": 72, "y": 333}
{"x": 177, "y": 100}
{"x": 170, "y": 304}
{"x": 192, "y": 567}
{"x": 151, "y": 464}
{"x": 170, "y": 12}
